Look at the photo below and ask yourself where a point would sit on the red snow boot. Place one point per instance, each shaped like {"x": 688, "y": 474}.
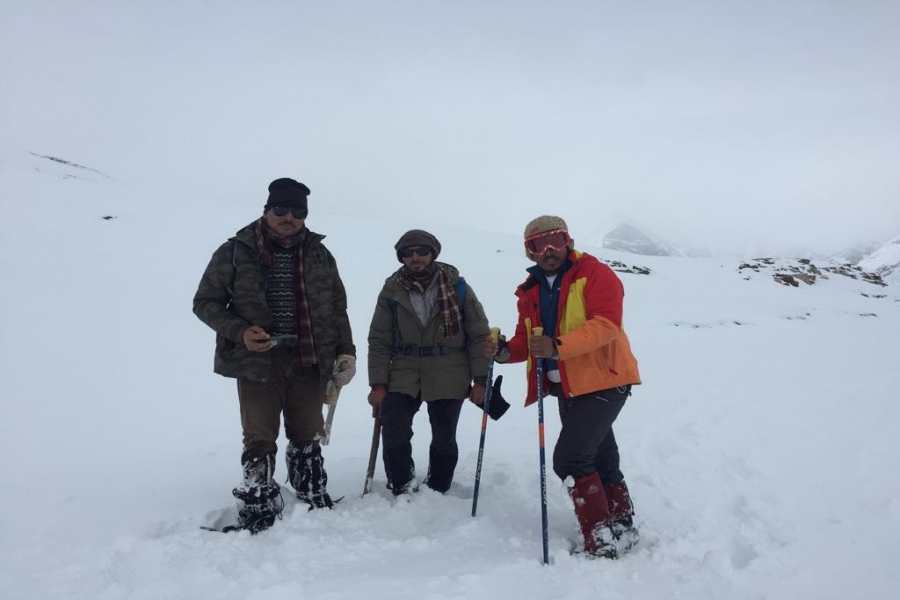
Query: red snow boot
{"x": 593, "y": 516}
{"x": 621, "y": 511}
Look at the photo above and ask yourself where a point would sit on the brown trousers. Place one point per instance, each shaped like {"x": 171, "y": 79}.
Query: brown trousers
{"x": 291, "y": 389}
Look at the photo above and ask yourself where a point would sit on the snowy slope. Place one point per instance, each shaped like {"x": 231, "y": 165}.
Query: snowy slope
{"x": 885, "y": 261}
{"x": 761, "y": 449}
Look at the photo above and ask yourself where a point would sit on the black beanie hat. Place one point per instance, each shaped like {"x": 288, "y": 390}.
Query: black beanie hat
{"x": 418, "y": 237}
{"x": 288, "y": 193}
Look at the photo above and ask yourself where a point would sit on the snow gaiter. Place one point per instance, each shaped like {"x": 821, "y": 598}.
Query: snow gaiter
{"x": 593, "y": 515}
{"x": 621, "y": 511}
{"x": 306, "y": 473}
{"x": 618, "y": 500}
{"x": 260, "y": 495}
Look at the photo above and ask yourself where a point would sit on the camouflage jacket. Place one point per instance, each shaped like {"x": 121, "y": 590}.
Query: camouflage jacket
{"x": 396, "y": 337}
{"x": 232, "y": 296}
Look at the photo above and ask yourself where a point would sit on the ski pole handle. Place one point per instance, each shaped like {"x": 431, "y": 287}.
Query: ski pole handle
{"x": 535, "y": 331}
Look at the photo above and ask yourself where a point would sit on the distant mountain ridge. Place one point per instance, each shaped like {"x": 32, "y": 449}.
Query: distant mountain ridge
{"x": 67, "y": 169}
{"x": 627, "y": 237}
{"x": 885, "y": 261}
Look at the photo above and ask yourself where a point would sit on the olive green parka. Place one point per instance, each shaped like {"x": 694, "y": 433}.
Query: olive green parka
{"x": 232, "y": 296}
{"x": 448, "y": 366}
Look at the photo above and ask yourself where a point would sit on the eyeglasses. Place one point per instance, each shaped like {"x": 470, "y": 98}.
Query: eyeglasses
{"x": 297, "y": 213}
{"x": 421, "y": 251}
{"x": 556, "y": 239}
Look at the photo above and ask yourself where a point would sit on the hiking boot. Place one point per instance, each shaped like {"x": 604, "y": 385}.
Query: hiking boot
{"x": 409, "y": 485}
{"x": 407, "y": 489}
{"x": 604, "y": 542}
{"x": 626, "y": 534}
{"x": 262, "y": 505}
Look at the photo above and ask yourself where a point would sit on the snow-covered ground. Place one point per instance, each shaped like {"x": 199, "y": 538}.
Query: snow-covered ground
{"x": 761, "y": 450}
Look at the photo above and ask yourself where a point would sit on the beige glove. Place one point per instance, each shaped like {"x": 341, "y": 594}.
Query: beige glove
{"x": 344, "y": 370}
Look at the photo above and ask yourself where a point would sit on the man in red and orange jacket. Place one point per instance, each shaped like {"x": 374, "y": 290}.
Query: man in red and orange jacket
{"x": 588, "y": 366}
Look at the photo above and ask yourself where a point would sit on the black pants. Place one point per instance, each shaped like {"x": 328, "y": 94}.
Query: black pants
{"x": 586, "y": 442}
{"x": 397, "y": 414}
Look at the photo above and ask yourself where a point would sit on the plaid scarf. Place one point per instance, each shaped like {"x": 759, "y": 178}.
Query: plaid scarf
{"x": 265, "y": 237}
{"x": 448, "y": 304}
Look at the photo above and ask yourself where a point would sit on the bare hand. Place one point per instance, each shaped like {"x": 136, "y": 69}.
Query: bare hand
{"x": 491, "y": 347}
{"x": 376, "y": 399}
{"x": 256, "y": 339}
{"x": 541, "y": 346}
{"x": 476, "y": 396}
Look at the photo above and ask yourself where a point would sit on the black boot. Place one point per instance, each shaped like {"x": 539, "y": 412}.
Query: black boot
{"x": 440, "y": 470}
{"x": 400, "y": 470}
{"x": 306, "y": 473}
{"x": 260, "y": 495}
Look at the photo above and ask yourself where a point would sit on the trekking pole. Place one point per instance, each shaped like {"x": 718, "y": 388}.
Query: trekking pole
{"x": 373, "y": 456}
{"x": 495, "y": 335}
{"x": 540, "y": 394}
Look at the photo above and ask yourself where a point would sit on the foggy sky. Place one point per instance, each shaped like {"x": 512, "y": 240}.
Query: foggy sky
{"x": 735, "y": 126}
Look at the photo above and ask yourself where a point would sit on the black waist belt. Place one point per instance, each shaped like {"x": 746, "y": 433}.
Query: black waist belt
{"x": 425, "y": 350}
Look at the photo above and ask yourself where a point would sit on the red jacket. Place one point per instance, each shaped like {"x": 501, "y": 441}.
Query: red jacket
{"x": 594, "y": 353}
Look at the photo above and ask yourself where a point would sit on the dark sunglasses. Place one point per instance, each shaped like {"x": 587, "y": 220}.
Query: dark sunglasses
{"x": 298, "y": 213}
{"x": 550, "y": 240}
{"x": 421, "y": 251}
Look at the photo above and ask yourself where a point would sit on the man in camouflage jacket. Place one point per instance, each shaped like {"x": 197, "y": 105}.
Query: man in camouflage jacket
{"x": 274, "y": 297}
{"x": 425, "y": 344}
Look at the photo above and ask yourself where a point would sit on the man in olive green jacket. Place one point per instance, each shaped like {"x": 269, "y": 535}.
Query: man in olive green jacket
{"x": 274, "y": 297}
{"x": 426, "y": 344}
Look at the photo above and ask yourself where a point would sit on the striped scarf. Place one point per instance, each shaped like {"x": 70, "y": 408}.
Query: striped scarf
{"x": 448, "y": 303}
{"x": 265, "y": 237}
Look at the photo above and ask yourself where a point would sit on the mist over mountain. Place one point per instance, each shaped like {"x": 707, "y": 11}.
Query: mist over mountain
{"x": 854, "y": 254}
{"x": 875, "y": 256}
{"x": 628, "y": 237}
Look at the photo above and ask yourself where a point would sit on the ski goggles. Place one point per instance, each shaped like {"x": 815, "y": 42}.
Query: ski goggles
{"x": 556, "y": 239}
{"x": 421, "y": 251}
{"x": 296, "y": 212}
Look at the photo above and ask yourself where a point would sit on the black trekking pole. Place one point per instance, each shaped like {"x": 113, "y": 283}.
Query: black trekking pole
{"x": 540, "y": 394}
{"x": 373, "y": 456}
{"x": 495, "y": 335}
